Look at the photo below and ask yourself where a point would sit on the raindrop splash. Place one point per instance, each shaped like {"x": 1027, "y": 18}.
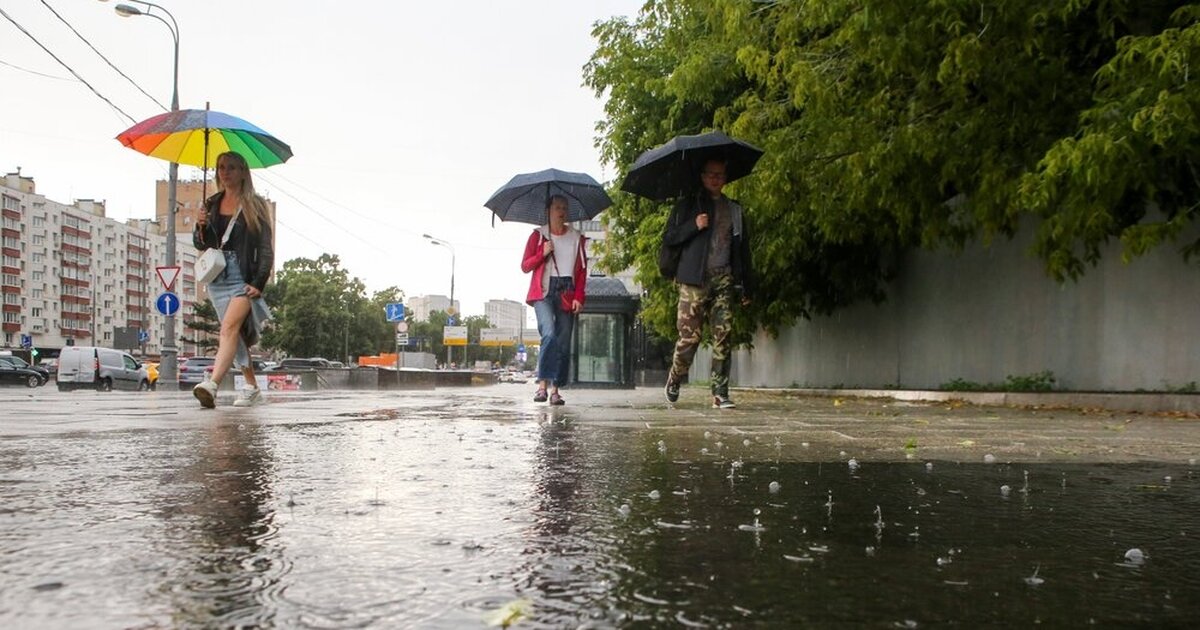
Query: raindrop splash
{"x": 1135, "y": 557}
{"x": 1034, "y": 580}
{"x": 756, "y": 527}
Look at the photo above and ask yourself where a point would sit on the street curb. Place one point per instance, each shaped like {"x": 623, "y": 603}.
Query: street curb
{"x": 1136, "y": 402}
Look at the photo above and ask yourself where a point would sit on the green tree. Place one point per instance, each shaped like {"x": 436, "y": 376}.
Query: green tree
{"x": 321, "y": 311}
{"x": 204, "y": 327}
{"x": 897, "y": 124}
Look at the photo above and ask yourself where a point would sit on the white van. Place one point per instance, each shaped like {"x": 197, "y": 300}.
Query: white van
{"x": 102, "y": 369}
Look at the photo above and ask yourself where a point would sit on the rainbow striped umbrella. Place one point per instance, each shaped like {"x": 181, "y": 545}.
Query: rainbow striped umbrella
{"x": 197, "y": 136}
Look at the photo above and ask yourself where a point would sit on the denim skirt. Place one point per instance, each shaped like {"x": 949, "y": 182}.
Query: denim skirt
{"x": 228, "y": 285}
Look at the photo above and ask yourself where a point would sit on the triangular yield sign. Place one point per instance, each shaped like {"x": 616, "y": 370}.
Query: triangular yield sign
{"x": 167, "y": 276}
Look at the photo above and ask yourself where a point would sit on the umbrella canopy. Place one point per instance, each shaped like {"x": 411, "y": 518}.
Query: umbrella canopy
{"x": 524, "y": 197}
{"x": 196, "y": 137}
{"x": 673, "y": 169}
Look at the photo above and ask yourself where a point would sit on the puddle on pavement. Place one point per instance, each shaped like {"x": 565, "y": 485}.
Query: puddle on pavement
{"x": 457, "y": 523}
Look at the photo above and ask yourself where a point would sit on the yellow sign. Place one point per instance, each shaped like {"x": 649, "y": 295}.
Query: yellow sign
{"x": 454, "y": 335}
{"x": 496, "y": 337}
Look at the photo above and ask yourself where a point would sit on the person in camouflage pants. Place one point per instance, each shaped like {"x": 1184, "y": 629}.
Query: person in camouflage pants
{"x": 709, "y": 231}
{"x": 715, "y": 300}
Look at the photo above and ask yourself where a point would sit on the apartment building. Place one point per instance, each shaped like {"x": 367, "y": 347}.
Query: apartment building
{"x": 71, "y": 275}
{"x": 507, "y": 314}
{"x": 422, "y": 305}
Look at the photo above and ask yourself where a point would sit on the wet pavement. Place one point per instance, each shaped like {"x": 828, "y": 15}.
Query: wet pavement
{"x": 475, "y": 507}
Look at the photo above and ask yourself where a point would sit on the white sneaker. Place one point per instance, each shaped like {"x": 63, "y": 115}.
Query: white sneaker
{"x": 249, "y": 397}
{"x": 206, "y": 392}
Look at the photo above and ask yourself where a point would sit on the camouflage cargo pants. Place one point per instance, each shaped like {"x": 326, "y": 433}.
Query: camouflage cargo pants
{"x": 713, "y": 300}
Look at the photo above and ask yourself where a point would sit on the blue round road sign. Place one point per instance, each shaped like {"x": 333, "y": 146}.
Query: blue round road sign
{"x": 167, "y": 303}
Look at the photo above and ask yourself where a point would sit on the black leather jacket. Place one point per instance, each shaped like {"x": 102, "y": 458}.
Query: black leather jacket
{"x": 256, "y": 255}
{"x": 681, "y": 231}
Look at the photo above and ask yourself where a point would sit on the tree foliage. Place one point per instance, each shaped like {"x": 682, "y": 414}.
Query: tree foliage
{"x": 896, "y": 124}
{"x": 320, "y": 311}
{"x": 204, "y": 327}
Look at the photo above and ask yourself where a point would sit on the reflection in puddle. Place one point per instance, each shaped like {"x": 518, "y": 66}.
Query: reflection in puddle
{"x": 543, "y": 521}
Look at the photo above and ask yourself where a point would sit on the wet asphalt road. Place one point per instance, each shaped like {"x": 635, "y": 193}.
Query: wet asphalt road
{"x": 462, "y": 507}
{"x": 883, "y": 430}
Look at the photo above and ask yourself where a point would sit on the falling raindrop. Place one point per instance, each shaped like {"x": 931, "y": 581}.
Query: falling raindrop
{"x": 853, "y": 463}
{"x": 989, "y": 459}
{"x": 1167, "y": 479}
{"x": 745, "y": 442}
{"x": 1192, "y": 462}
{"x": 662, "y": 446}
{"x": 654, "y": 495}
{"x": 804, "y": 444}
{"x": 707, "y": 435}
{"x": 773, "y": 487}
{"x": 704, "y": 451}
{"x": 878, "y": 518}
{"x": 1005, "y": 491}
{"x": 928, "y": 465}
{"x": 871, "y": 551}
{"x": 842, "y": 454}
{"x": 719, "y": 445}
{"x": 1025, "y": 488}
{"x": 624, "y": 509}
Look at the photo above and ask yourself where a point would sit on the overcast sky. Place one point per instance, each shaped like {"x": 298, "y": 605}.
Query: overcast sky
{"x": 403, "y": 117}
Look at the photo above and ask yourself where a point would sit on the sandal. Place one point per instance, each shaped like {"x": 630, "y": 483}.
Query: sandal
{"x": 540, "y": 396}
{"x": 555, "y": 399}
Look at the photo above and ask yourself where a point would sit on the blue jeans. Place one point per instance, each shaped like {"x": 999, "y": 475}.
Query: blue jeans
{"x": 554, "y": 326}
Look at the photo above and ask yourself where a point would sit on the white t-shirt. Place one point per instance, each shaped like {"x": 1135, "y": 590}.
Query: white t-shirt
{"x": 561, "y": 262}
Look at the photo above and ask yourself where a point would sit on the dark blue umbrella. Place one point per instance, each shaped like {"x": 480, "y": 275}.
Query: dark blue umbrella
{"x": 524, "y": 197}
{"x": 672, "y": 169}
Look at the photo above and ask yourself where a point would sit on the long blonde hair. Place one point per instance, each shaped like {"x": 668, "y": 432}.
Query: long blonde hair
{"x": 254, "y": 207}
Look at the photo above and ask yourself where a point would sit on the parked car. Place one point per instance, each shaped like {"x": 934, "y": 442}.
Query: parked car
{"x": 192, "y": 370}
{"x": 43, "y": 373}
{"x": 103, "y": 369}
{"x": 302, "y": 364}
{"x": 12, "y": 375}
{"x": 51, "y": 365}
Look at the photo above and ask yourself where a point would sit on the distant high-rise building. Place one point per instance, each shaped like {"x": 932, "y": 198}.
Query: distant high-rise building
{"x": 72, "y": 275}
{"x": 422, "y": 305}
{"x": 505, "y": 313}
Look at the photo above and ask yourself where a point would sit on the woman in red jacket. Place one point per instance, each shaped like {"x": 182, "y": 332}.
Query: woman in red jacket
{"x": 555, "y": 254}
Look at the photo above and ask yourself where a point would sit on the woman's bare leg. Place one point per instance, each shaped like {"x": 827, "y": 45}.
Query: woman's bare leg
{"x": 231, "y": 327}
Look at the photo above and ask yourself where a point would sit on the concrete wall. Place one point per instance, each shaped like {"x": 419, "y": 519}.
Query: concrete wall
{"x": 987, "y": 313}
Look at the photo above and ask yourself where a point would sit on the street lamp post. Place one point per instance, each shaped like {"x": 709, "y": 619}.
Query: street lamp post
{"x": 438, "y": 241}
{"x": 168, "y": 370}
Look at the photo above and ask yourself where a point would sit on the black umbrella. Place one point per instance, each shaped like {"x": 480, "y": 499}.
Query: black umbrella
{"x": 673, "y": 169}
{"x": 524, "y": 197}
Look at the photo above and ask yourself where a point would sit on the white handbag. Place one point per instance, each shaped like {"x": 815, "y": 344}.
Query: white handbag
{"x": 212, "y": 261}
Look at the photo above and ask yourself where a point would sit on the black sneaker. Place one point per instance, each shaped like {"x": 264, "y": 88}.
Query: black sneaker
{"x": 672, "y": 391}
{"x": 723, "y": 402}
